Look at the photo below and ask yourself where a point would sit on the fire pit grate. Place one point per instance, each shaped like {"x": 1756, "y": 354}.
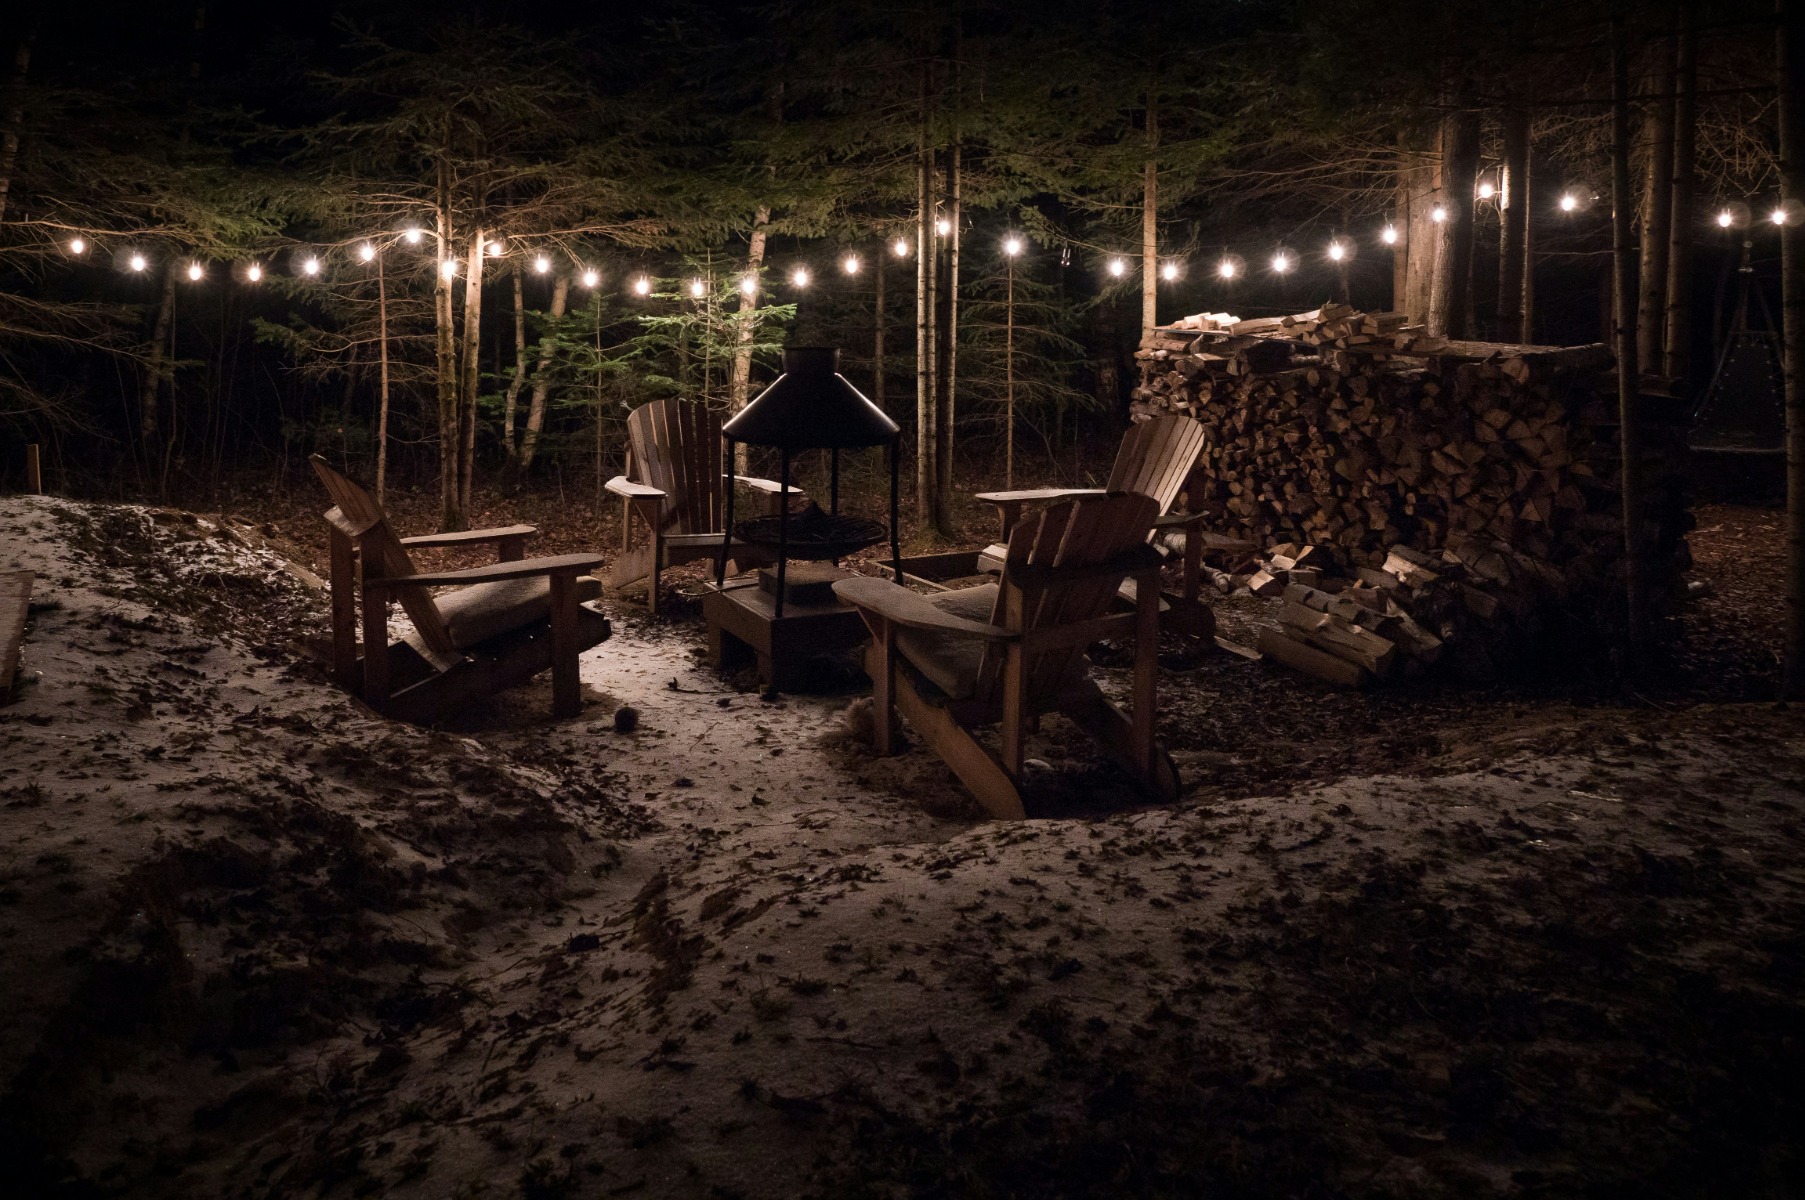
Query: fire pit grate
{"x": 814, "y": 535}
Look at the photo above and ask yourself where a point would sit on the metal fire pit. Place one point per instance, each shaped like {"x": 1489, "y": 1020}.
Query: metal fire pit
{"x": 813, "y": 535}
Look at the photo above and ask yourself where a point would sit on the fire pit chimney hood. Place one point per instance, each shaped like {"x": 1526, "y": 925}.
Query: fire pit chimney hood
{"x": 811, "y": 406}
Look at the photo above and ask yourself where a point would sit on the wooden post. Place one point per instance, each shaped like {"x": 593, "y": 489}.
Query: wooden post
{"x": 1791, "y": 55}
{"x": 1624, "y": 265}
{"x": 34, "y": 472}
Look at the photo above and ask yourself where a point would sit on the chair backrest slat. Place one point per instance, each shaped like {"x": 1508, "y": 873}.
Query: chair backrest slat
{"x": 1156, "y": 456}
{"x": 675, "y": 446}
{"x": 384, "y": 557}
{"x": 1075, "y": 533}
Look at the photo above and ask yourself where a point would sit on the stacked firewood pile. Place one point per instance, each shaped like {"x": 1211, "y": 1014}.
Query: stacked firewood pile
{"x": 1435, "y": 501}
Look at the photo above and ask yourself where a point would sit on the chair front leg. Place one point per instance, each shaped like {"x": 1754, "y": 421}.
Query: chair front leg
{"x": 1146, "y": 669}
{"x": 883, "y": 686}
{"x": 567, "y": 698}
{"x": 1008, "y": 512}
{"x": 1193, "y": 567}
{"x": 511, "y": 549}
{"x": 376, "y": 646}
{"x": 1015, "y": 714}
{"x": 344, "y": 611}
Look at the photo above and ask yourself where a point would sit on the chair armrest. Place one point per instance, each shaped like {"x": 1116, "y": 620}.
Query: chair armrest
{"x": 620, "y": 485}
{"x": 764, "y": 485}
{"x": 905, "y": 608}
{"x": 561, "y": 564}
{"x": 1179, "y": 520}
{"x": 1028, "y": 495}
{"x": 472, "y": 536}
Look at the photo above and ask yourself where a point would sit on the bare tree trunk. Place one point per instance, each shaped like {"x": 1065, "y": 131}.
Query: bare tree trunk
{"x": 1678, "y": 334}
{"x": 1624, "y": 317}
{"x": 1419, "y": 177}
{"x": 451, "y": 513}
{"x": 535, "y": 413}
{"x": 949, "y": 357}
{"x": 471, "y": 370}
{"x": 156, "y": 364}
{"x": 877, "y": 334}
{"x": 740, "y": 389}
{"x": 510, "y": 443}
{"x": 382, "y": 400}
{"x": 1657, "y": 208}
{"x": 1513, "y": 229}
{"x": 1150, "y": 225}
{"x": 1791, "y": 54}
{"x": 926, "y": 440}
{"x": 13, "y": 118}
{"x": 1009, "y": 381}
{"x": 1451, "y": 294}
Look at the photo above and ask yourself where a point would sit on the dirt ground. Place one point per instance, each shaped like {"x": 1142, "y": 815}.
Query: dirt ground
{"x": 1535, "y": 940}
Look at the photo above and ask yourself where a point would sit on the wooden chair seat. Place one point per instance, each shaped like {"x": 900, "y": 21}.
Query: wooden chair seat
{"x": 482, "y": 611}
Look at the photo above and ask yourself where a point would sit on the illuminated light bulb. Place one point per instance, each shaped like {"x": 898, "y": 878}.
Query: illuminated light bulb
{"x": 1487, "y": 191}
{"x": 1438, "y": 214}
{"x": 449, "y": 268}
{"x": 77, "y": 246}
{"x": 591, "y": 278}
{"x": 196, "y": 272}
{"x": 311, "y": 267}
{"x": 943, "y": 227}
{"x": 1778, "y": 216}
{"x": 850, "y": 264}
{"x": 1012, "y": 246}
{"x": 1725, "y": 219}
{"x": 254, "y": 272}
{"x": 749, "y": 285}
{"x": 412, "y": 235}
{"x": 138, "y": 263}
{"x": 366, "y": 252}
{"x": 799, "y": 277}
{"x": 1390, "y": 236}
{"x": 900, "y": 248}
{"x": 1281, "y": 262}
{"x": 1337, "y": 252}
{"x": 642, "y": 286}
{"x": 494, "y": 249}
{"x": 1569, "y": 202}
{"x": 697, "y": 288}
{"x": 542, "y": 264}
{"x": 1226, "y": 269}
{"x": 1169, "y": 271}
{"x": 1117, "y": 267}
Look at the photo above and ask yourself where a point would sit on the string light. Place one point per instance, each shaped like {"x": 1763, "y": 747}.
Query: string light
{"x": 77, "y": 246}
{"x": 254, "y": 272}
{"x": 1778, "y": 216}
{"x": 642, "y": 286}
{"x": 196, "y": 271}
{"x": 1390, "y": 235}
{"x": 366, "y": 252}
{"x": 412, "y": 235}
{"x": 1438, "y": 214}
{"x": 495, "y": 249}
{"x": 1725, "y": 219}
{"x": 1012, "y": 245}
{"x": 1487, "y": 190}
{"x": 799, "y": 277}
{"x": 850, "y": 264}
{"x": 542, "y": 264}
{"x": 1169, "y": 271}
{"x": 591, "y": 277}
{"x": 449, "y": 268}
{"x": 900, "y": 248}
{"x": 943, "y": 227}
{"x": 697, "y": 288}
{"x": 749, "y": 285}
{"x": 1117, "y": 267}
{"x": 1281, "y": 262}
{"x": 1227, "y": 268}
{"x": 1337, "y": 251}
{"x": 137, "y": 262}
{"x": 1569, "y": 202}
{"x": 311, "y": 266}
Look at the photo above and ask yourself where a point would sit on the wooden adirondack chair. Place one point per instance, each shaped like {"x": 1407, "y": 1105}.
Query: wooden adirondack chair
{"x": 676, "y": 486}
{"x": 1006, "y": 652}
{"x": 1156, "y": 458}
{"x": 506, "y": 624}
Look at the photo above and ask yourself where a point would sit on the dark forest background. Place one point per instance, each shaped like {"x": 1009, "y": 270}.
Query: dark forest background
{"x": 677, "y": 150}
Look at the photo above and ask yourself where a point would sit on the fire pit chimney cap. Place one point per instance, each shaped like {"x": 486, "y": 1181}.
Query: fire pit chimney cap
{"x": 811, "y": 406}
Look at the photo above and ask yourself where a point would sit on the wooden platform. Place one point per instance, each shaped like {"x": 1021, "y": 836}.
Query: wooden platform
{"x": 743, "y": 626}
{"x": 15, "y": 601}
